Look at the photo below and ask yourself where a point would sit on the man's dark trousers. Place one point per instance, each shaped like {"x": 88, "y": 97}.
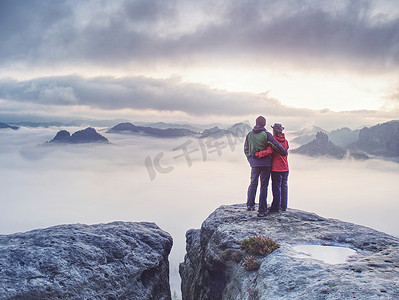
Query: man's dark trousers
{"x": 264, "y": 174}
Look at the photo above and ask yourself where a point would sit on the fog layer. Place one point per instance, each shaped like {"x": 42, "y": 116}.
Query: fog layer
{"x": 175, "y": 183}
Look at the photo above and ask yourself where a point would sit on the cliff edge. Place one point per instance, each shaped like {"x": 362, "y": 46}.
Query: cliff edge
{"x": 213, "y": 266}
{"x": 120, "y": 260}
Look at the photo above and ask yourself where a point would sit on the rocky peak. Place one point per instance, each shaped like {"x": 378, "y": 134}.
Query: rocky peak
{"x": 321, "y": 138}
{"x": 88, "y": 135}
{"x": 213, "y": 265}
{"x": 62, "y": 136}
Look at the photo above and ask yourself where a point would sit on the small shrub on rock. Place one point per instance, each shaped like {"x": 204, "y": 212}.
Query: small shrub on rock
{"x": 229, "y": 255}
{"x": 236, "y": 256}
{"x": 259, "y": 245}
{"x": 250, "y": 263}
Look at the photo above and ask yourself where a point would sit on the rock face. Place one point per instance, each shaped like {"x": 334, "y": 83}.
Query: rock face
{"x": 210, "y": 269}
{"x": 88, "y": 135}
{"x": 118, "y": 260}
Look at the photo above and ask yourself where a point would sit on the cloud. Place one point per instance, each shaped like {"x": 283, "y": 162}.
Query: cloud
{"x": 359, "y": 34}
{"x": 141, "y": 98}
{"x": 394, "y": 97}
{"x": 26, "y": 27}
{"x": 138, "y": 93}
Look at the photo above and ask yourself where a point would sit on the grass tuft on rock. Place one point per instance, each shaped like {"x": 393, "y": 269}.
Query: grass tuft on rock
{"x": 250, "y": 263}
{"x": 259, "y": 245}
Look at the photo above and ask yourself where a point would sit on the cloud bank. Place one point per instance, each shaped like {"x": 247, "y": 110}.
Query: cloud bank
{"x": 131, "y": 97}
{"x": 137, "y": 93}
{"x": 44, "y": 186}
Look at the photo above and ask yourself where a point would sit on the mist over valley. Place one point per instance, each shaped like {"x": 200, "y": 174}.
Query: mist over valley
{"x": 42, "y": 186}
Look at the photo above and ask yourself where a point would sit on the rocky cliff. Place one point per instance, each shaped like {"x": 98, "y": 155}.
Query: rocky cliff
{"x": 118, "y": 260}
{"x": 213, "y": 265}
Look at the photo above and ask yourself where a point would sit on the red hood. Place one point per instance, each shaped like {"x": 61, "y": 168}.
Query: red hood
{"x": 280, "y": 138}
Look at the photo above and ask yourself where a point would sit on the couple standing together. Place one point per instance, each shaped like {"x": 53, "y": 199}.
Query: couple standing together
{"x": 267, "y": 155}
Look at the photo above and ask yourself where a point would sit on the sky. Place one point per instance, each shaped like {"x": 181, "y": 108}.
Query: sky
{"x": 307, "y": 62}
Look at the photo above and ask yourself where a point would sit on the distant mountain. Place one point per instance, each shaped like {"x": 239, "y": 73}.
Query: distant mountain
{"x": 309, "y": 130}
{"x": 341, "y": 137}
{"x": 68, "y": 123}
{"x": 321, "y": 146}
{"x": 88, "y": 135}
{"x": 163, "y": 125}
{"x": 344, "y": 136}
{"x": 165, "y": 133}
{"x": 62, "y": 136}
{"x": 5, "y": 125}
{"x": 381, "y": 139}
{"x": 41, "y": 124}
{"x": 238, "y": 130}
{"x": 307, "y": 134}
{"x": 214, "y": 132}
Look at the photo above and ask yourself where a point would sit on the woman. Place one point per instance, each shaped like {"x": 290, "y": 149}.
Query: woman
{"x": 280, "y": 171}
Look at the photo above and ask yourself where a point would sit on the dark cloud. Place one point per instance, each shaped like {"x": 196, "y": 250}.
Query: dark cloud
{"x": 25, "y": 27}
{"x": 298, "y": 32}
{"x": 143, "y": 32}
{"x": 138, "y": 93}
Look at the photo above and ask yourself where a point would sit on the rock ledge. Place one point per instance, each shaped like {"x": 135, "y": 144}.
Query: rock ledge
{"x": 120, "y": 260}
{"x": 283, "y": 274}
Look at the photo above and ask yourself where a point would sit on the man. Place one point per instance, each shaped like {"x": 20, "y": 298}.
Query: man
{"x": 257, "y": 140}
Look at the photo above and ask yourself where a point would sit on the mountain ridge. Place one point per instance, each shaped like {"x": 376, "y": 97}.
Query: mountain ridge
{"x": 88, "y": 135}
{"x": 381, "y": 140}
